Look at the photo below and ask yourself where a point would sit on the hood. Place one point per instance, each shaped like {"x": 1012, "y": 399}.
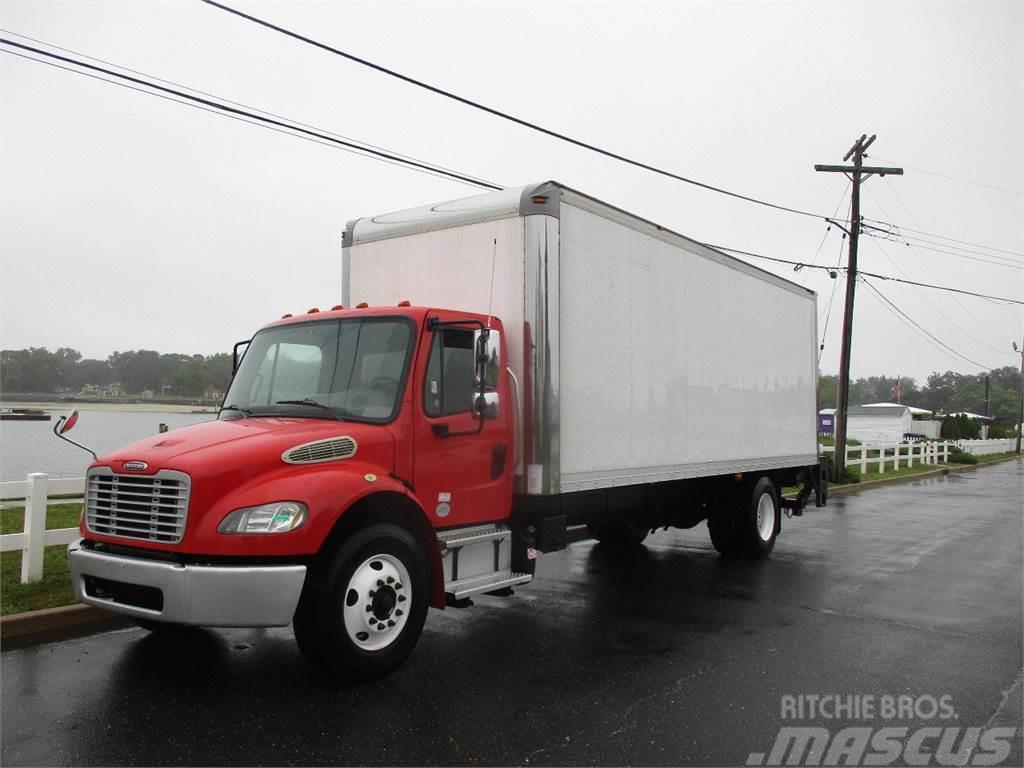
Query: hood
{"x": 245, "y": 446}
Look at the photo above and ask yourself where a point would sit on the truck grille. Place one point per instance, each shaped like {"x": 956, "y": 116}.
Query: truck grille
{"x": 146, "y": 507}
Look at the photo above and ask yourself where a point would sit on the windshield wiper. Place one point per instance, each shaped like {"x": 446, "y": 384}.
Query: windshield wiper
{"x": 308, "y": 401}
{"x": 238, "y": 408}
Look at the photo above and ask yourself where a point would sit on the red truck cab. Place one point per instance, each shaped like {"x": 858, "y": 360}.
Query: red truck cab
{"x": 358, "y": 453}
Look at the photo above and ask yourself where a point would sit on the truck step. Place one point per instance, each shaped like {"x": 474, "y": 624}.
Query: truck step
{"x": 491, "y": 582}
{"x": 464, "y": 536}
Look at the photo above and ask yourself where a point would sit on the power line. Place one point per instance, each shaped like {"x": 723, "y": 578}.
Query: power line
{"x": 279, "y": 124}
{"x": 932, "y": 304}
{"x": 219, "y": 114}
{"x": 803, "y": 265}
{"x": 944, "y": 237}
{"x": 824, "y": 235}
{"x": 957, "y": 178}
{"x": 894, "y": 308}
{"x": 505, "y": 115}
{"x": 997, "y": 261}
{"x": 213, "y": 96}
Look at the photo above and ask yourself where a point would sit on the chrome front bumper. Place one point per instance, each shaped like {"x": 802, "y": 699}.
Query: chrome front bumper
{"x": 200, "y": 595}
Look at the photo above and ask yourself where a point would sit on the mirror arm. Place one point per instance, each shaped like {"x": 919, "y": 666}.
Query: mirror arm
{"x": 56, "y": 428}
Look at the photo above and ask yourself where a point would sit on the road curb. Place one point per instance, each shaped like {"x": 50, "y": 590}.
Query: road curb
{"x": 842, "y": 489}
{"x": 34, "y": 627}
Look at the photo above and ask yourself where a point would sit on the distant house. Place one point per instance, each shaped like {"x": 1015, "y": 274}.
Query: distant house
{"x": 880, "y": 423}
{"x": 924, "y": 421}
{"x": 212, "y": 393}
{"x": 147, "y": 394}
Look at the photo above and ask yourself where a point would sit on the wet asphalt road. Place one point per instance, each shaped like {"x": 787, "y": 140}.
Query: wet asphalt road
{"x": 668, "y": 656}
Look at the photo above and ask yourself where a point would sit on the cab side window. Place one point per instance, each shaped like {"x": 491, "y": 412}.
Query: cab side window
{"x": 449, "y": 384}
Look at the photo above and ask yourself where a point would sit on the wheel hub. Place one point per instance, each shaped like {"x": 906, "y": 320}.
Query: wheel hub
{"x": 377, "y": 602}
{"x": 383, "y": 602}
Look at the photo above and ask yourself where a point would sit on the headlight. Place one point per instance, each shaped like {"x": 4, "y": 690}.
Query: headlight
{"x": 276, "y": 517}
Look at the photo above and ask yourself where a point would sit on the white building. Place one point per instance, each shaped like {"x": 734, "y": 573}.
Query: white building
{"x": 879, "y": 423}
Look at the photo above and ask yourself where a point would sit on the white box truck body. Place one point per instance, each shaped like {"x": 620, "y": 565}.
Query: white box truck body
{"x": 645, "y": 356}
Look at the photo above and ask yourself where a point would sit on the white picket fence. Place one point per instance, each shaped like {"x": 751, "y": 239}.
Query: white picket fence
{"x": 36, "y": 491}
{"x": 986, "y": 447}
{"x": 895, "y": 455}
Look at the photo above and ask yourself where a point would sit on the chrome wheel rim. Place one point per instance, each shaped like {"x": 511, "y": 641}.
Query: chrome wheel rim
{"x": 766, "y": 517}
{"x": 377, "y": 602}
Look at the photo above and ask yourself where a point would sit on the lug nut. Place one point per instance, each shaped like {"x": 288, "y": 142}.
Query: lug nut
{"x": 391, "y": 579}
{"x": 398, "y": 585}
{"x": 380, "y": 582}
{"x": 391, "y": 622}
{"x": 369, "y": 608}
{"x": 398, "y": 612}
{"x": 373, "y": 592}
{"x": 401, "y": 598}
{"x": 373, "y": 620}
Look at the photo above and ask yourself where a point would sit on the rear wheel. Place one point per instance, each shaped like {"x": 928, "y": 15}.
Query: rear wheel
{"x": 760, "y": 524}
{"x": 750, "y": 524}
{"x": 365, "y": 616}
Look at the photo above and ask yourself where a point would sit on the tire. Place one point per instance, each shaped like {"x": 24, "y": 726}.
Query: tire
{"x": 364, "y": 617}
{"x": 621, "y": 534}
{"x": 760, "y": 525}
{"x": 750, "y": 523}
{"x": 725, "y": 534}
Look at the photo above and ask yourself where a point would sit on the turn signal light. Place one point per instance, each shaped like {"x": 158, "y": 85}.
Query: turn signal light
{"x": 539, "y": 199}
{"x": 405, "y": 303}
{"x": 362, "y": 305}
{"x": 337, "y": 306}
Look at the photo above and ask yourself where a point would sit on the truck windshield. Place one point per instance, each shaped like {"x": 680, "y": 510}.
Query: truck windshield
{"x": 346, "y": 369}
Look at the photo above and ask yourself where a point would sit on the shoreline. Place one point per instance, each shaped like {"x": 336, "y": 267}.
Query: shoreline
{"x": 62, "y": 408}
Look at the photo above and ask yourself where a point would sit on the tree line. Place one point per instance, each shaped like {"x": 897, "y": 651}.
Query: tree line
{"x": 948, "y": 392}
{"x": 38, "y": 371}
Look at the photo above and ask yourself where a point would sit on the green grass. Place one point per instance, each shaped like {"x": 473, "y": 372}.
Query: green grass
{"x": 52, "y": 591}
{"x": 55, "y": 588}
{"x": 917, "y": 469}
{"x": 12, "y": 520}
{"x": 995, "y": 457}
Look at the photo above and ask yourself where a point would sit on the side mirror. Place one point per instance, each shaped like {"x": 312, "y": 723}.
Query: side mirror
{"x": 67, "y": 423}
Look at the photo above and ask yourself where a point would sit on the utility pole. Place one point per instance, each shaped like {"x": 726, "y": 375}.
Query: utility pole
{"x": 857, "y": 173}
{"x": 1020, "y": 414}
{"x": 988, "y": 381}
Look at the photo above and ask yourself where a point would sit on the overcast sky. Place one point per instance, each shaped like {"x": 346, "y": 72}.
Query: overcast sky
{"x": 130, "y": 221}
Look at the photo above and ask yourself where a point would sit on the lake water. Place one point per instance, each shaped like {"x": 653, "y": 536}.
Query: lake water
{"x": 30, "y": 446}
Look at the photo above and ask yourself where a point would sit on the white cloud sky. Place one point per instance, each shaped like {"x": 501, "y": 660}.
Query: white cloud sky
{"x": 128, "y": 221}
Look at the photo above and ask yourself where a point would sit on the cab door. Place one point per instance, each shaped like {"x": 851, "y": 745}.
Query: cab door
{"x": 463, "y": 449}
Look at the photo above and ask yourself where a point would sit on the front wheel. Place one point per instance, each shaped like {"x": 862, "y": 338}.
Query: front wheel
{"x": 365, "y": 616}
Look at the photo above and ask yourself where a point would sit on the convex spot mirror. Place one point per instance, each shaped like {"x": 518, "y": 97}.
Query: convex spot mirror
{"x": 67, "y": 423}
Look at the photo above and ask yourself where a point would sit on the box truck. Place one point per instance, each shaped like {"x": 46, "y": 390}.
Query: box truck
{"x": 500, "y": 369}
